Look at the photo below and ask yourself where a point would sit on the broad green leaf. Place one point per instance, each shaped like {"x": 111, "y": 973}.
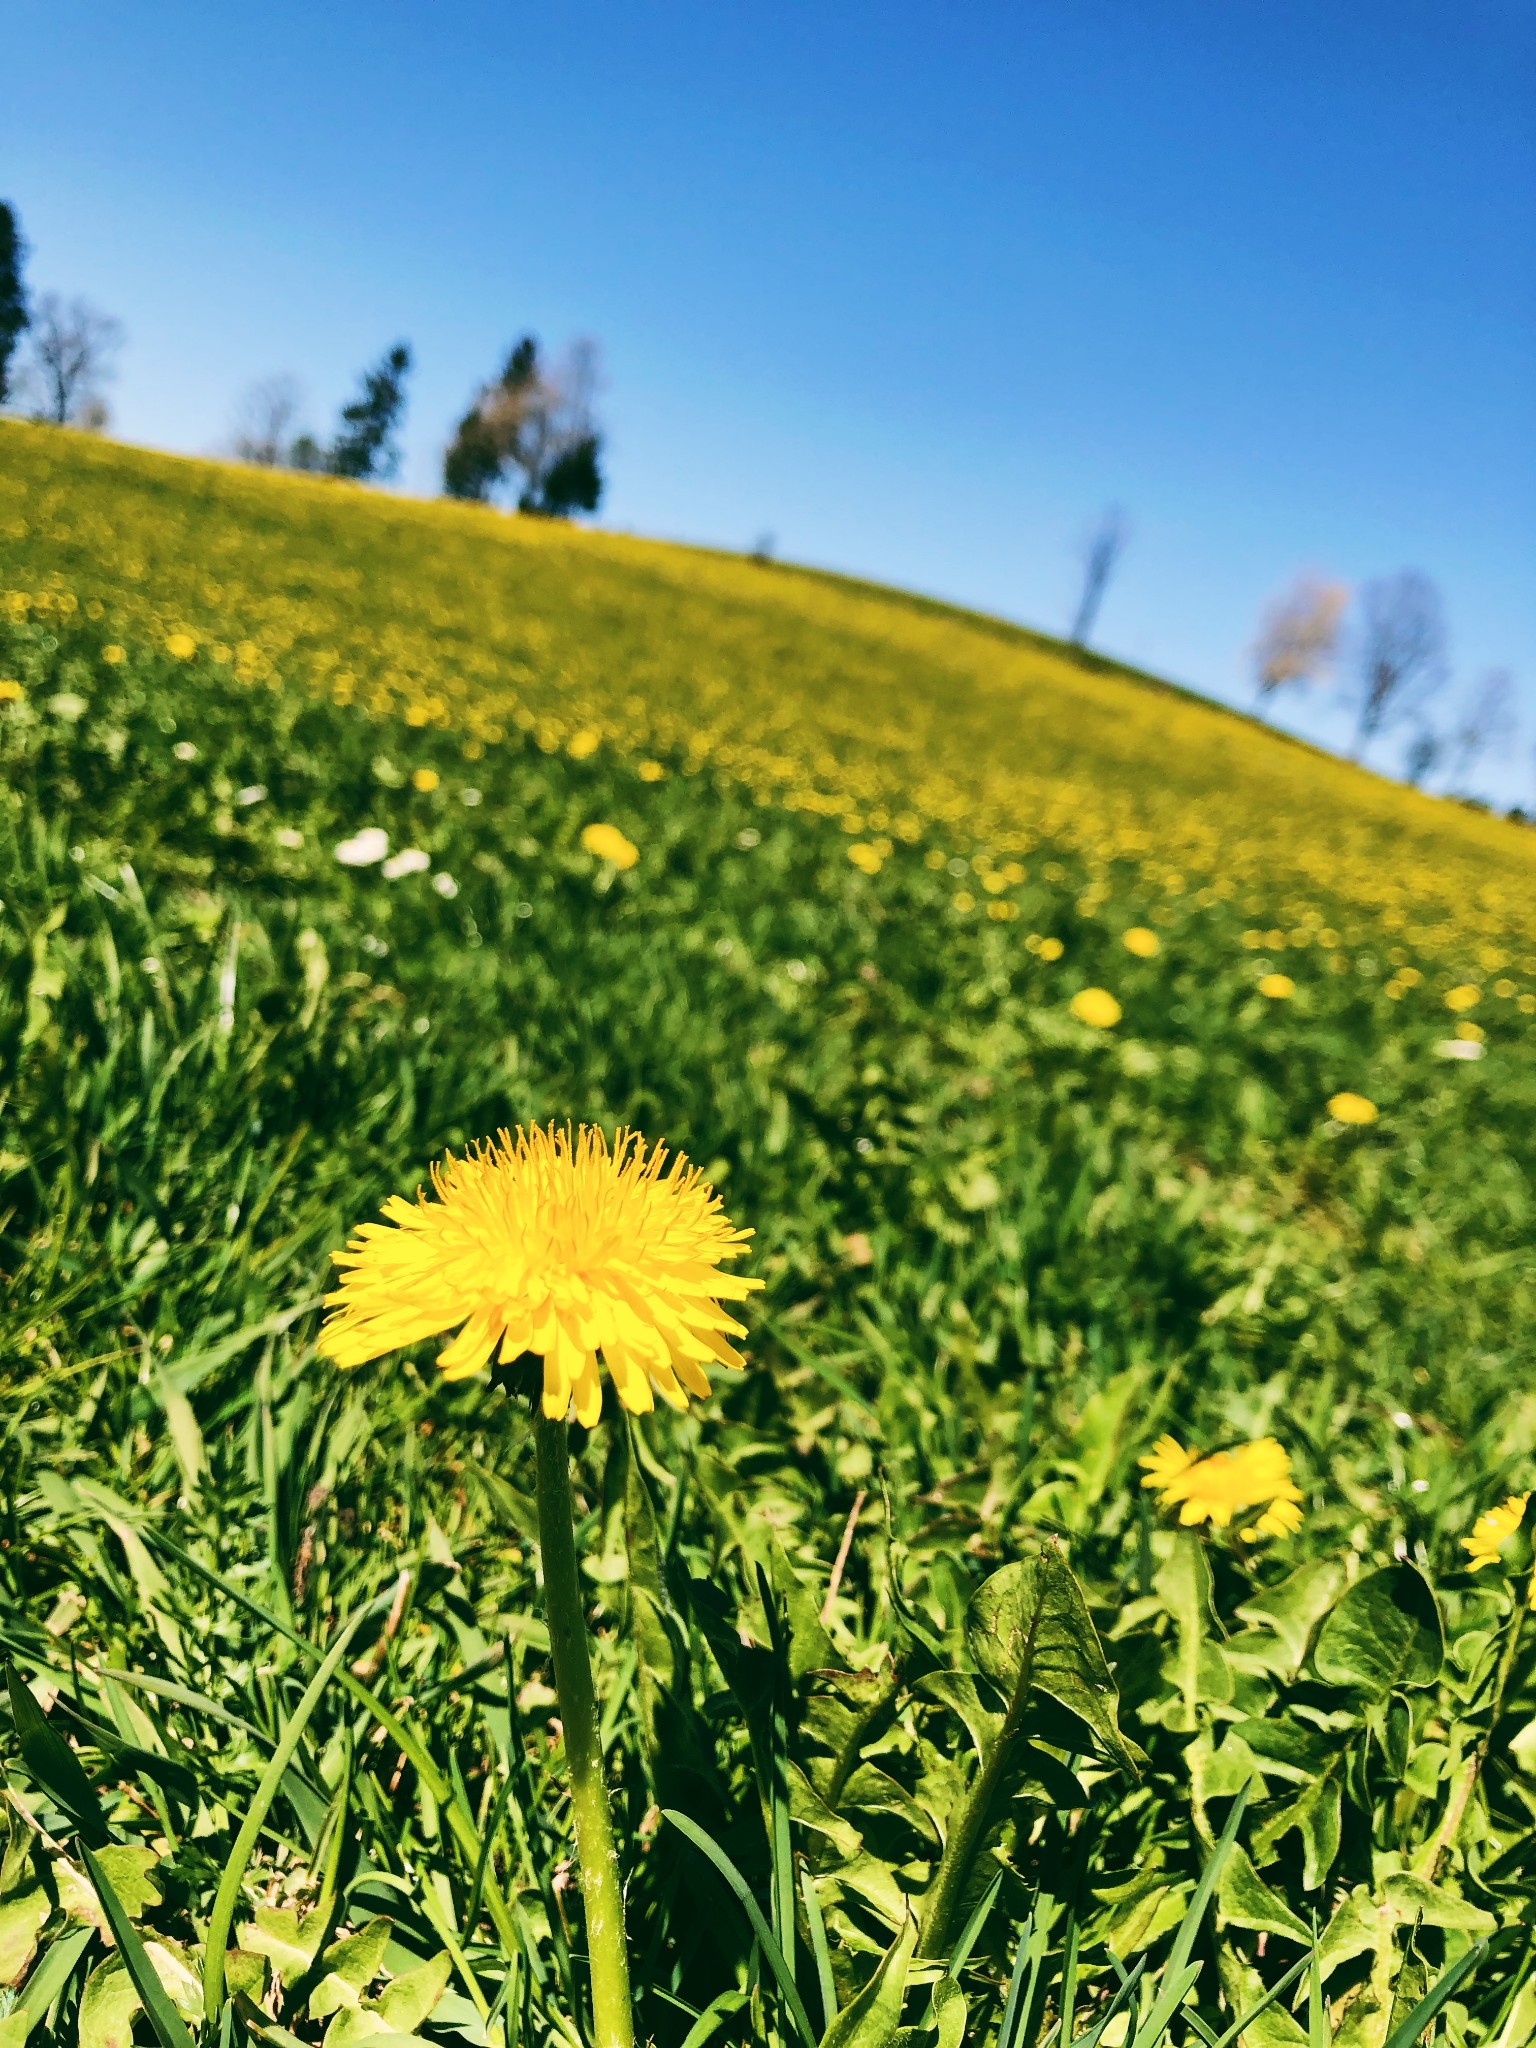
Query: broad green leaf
{"x": 1385, "y": 1632}
{"x": 286, "y": 1941}
{"x": 107, "y": 2006}
{"x": 807, "y": 1806}
{"x": 44, "y": 1985}
{"x": 949, "y": 2013}
{"x": 1294, "y": 1608}
{"x": 1243, "y": 1899}
{"x": 349, "y": 1967}
{"x": 407, "y": 2001}
{"x": 870, "y": 2019}
{"x": 21, "y": 1919}
{"x": 1244, "y": 1988}
{"x": 957, "y": 1691}
{"x": 127, "y": 1865}
{"x": 1035, "y": 1610}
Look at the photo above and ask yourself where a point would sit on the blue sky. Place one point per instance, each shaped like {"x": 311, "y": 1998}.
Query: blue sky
{"x": 917, "y": 289}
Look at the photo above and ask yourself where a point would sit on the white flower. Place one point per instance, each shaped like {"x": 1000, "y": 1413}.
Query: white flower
{"x": 445, "y": 886}
{"x": 1459, "y": 1049}
{"x": 253, "y": 793}
{"x": 469, "y": 798}
{"x": 410, "y": 860}
{"x": 184, "y": 750}
{"x": 286, "y": 836}
{"x": 67, "y": 705}
{"x": 363, "y": 848}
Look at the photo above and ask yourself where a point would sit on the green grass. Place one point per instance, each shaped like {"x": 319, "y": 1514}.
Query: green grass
{"x": 1003, "y": 1253}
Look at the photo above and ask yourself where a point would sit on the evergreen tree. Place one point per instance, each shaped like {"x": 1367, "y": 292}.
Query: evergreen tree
{"x": 13, "y": 297}
{"x": 535, "y": 425}
{"x": 365, "y": 447}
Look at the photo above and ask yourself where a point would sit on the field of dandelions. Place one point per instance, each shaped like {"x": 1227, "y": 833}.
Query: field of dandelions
{"x": 1094, "y": 1611}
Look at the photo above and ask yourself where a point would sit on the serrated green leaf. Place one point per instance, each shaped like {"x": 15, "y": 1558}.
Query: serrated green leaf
{"x": 1383, "y": 1633}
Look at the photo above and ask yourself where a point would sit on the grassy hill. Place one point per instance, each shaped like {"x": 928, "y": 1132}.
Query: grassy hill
{"x": 1090, "y": 1063}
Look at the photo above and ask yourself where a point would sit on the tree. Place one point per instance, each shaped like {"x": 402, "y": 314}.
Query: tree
{"x": 72, "y": 346}
{"x": 263, "y": 420}
{"x": 13, "y": 296}
{"x": 1298, "y": 635}
{"x": 1488, "y": 719}
{"x": 1402, "y": 651}
{"x": 1424, "y": 755}
{"x": 1105, "y": 546}
{"x": 365, "y": 445}
{"x": 534, "y": 426}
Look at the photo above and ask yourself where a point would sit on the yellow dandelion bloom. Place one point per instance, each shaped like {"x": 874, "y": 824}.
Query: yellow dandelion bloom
{"x": 607, "y": 842}
{"x": 1276, "y": 986}
{"x": 963, "y": 901}
{"x": 1348, "y": 1108}
{"x": 651, "y": 771}
{"x": 1470, "y": 1033}
{"x": 425, "y": 780}
{"x": 1227, "y": 1484}
{"x": 1465, "y": 996}
{"x": 182, "y": 645}
{"x": 1143, "y": 943}
{"x": 545, "y": 1242}
{"x": 1051, "y": 949}
{"x": 113, "y": 655}
{"x": 866, "y": 858}
{"x": 584, "y": 744}
{"x": 11, "y": 691}
{"x": 1491, "y": 1531}
{"x": 1095, "y": 1007}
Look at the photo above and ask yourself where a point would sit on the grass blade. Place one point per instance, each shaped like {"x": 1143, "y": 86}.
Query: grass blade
{"x": 1408, "y": 2031}
{"x": 819, "y": 1950}
{"x": 710, "y": 1848}
{"x": 170, "y": 2028}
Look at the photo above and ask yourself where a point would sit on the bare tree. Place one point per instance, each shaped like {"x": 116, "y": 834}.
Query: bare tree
{"x": 1401, "y": 649}
{"x": 1424, "y": 755}
{"x": 71, "y": 349}
{"x": 264, "y": 422}
{"x": 1106, "y": 544}
{"x": 1298, "y": 636}
{"x": 1488, "y": 719}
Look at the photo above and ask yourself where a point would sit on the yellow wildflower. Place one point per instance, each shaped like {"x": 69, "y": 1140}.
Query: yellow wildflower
{"x": 182, "y": 645}
{"x": 1051, "y": 949}
{"x": 866, "y": 858}
{"x": 607, "y": 842}
{"x": 1470, "y": 1033}
{"x": 1143, "y": 943}
{"x": 1465, "y": 996}
{"x": 963, "y": 901}
{"x": 1490, "y": 1533}
{"x": 582, "y": 745}
{"x": 11, "y": 691}
{"x": 651, "y": 771}
{"x": 114, "y": 654}
{"x": 1226, "y": 1484}
{"x": 425, "y": 780}
{"x": 1348, "y": 1108}
{"x": 541, "y": 1241}
{"x": 1276, "y": 986}
{"x": 1095, "y": 1007}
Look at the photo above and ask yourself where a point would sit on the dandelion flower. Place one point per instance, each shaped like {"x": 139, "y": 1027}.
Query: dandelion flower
{"x": 1490, "y": 1533}
{"x": 363, "y": 848}
{"x": 866, "y": 858}
{"x": 1465, "y": 996}
{"x": 1051, "y": 949}
{"x": 651, "y": 771}
{"x": 1276, "y": 986}
{"x": 11, "y": 691}
{"x": 547, "y": 1242}
{"x": 1348, "y": 1108}
{"x": 1226, "y": 1485}
{"x": 425, "y": 780}
{"x": 113, "y": 655}
{"x": 607, "y": 842}
{"x": 410, "y": 860}
{"x": 182, "y": 645}
{"x": 1096, "y": 1007}
{"x": 1143, "y": 943}
{"x": 584, "y": 744}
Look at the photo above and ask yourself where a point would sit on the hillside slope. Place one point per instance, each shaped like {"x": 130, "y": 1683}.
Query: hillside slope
{"x": 824, "y": 696}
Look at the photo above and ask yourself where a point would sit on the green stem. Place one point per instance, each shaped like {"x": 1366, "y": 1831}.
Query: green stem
{"x": 970, "y": 1826}
{"x": 602, "y": 1894}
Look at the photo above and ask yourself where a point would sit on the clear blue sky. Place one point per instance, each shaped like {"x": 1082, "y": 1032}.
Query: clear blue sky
{"x": 917, "y": 288}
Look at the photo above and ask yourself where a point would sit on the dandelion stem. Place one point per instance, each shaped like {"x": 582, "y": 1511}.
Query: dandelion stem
{"x": 602, "y": 1893}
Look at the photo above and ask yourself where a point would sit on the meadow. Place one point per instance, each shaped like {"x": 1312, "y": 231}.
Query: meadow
{"x": 1093, "y": 1068}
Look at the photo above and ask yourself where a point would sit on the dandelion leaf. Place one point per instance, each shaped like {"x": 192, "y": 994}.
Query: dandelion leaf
{"x": 1384, "y": 1632}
